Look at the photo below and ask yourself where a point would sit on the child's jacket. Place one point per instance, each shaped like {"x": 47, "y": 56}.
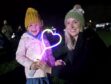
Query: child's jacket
{"x": 29, "y": 49}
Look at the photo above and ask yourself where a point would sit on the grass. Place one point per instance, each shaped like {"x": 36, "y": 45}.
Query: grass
{"x": 105, "y": 36}
{"x": 8, "y": 67}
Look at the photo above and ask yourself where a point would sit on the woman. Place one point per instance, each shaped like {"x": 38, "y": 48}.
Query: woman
{"x": 79, "y": 61}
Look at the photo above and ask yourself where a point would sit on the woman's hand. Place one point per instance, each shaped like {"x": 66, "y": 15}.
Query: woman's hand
{"x": 59, "y": 62}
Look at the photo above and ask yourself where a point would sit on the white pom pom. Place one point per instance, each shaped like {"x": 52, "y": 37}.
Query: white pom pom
{"x": 78, "y": 9}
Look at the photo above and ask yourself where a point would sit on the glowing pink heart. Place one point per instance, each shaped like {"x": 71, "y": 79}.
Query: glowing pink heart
{"x": 54, "y": 34}
{"x": 49, "y": 47}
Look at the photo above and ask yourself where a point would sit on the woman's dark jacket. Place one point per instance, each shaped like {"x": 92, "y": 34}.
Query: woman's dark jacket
{"x": 85, "y": 62}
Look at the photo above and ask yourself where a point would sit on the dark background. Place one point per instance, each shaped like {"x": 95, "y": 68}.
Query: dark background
{"x": 53, "y": 11}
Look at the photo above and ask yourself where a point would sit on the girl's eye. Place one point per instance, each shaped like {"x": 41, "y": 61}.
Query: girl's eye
{"x": 30, "y": 25}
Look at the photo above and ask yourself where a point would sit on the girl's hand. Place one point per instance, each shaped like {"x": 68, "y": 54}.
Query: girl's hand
{"x": 45, "y": 67}
{"x": 35, "y": 65}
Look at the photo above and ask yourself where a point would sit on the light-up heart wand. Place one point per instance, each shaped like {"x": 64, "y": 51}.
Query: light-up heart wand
{"x": 49, "y": 47}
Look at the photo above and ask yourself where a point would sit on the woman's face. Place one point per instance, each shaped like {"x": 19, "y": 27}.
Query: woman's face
{"x": 34, "y": 29}
{"x": 72, "y": 26}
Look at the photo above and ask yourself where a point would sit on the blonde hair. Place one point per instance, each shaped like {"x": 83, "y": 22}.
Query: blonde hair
{"x": 68, "y": 41}
{"x": 31, "y": 16}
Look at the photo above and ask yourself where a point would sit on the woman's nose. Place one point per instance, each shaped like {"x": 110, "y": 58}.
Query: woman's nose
{"x": 72, "y": 25}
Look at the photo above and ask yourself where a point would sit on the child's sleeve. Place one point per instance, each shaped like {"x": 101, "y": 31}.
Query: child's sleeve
{"x": 50, "y": 56}
{"x": 21, "y": 54}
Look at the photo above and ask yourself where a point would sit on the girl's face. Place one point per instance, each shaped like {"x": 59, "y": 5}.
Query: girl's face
{"x": 34, "y": 29}
{"x": 72, "y": 26}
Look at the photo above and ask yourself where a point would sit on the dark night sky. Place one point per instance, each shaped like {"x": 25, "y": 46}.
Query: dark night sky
{"x": 53, "y": 11}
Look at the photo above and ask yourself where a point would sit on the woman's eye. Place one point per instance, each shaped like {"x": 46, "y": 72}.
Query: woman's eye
{"x": 76, "y": 21}
{"x": 68, "y": 23}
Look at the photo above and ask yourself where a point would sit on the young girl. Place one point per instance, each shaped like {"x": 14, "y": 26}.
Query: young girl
{"x": 30, "y": 48}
